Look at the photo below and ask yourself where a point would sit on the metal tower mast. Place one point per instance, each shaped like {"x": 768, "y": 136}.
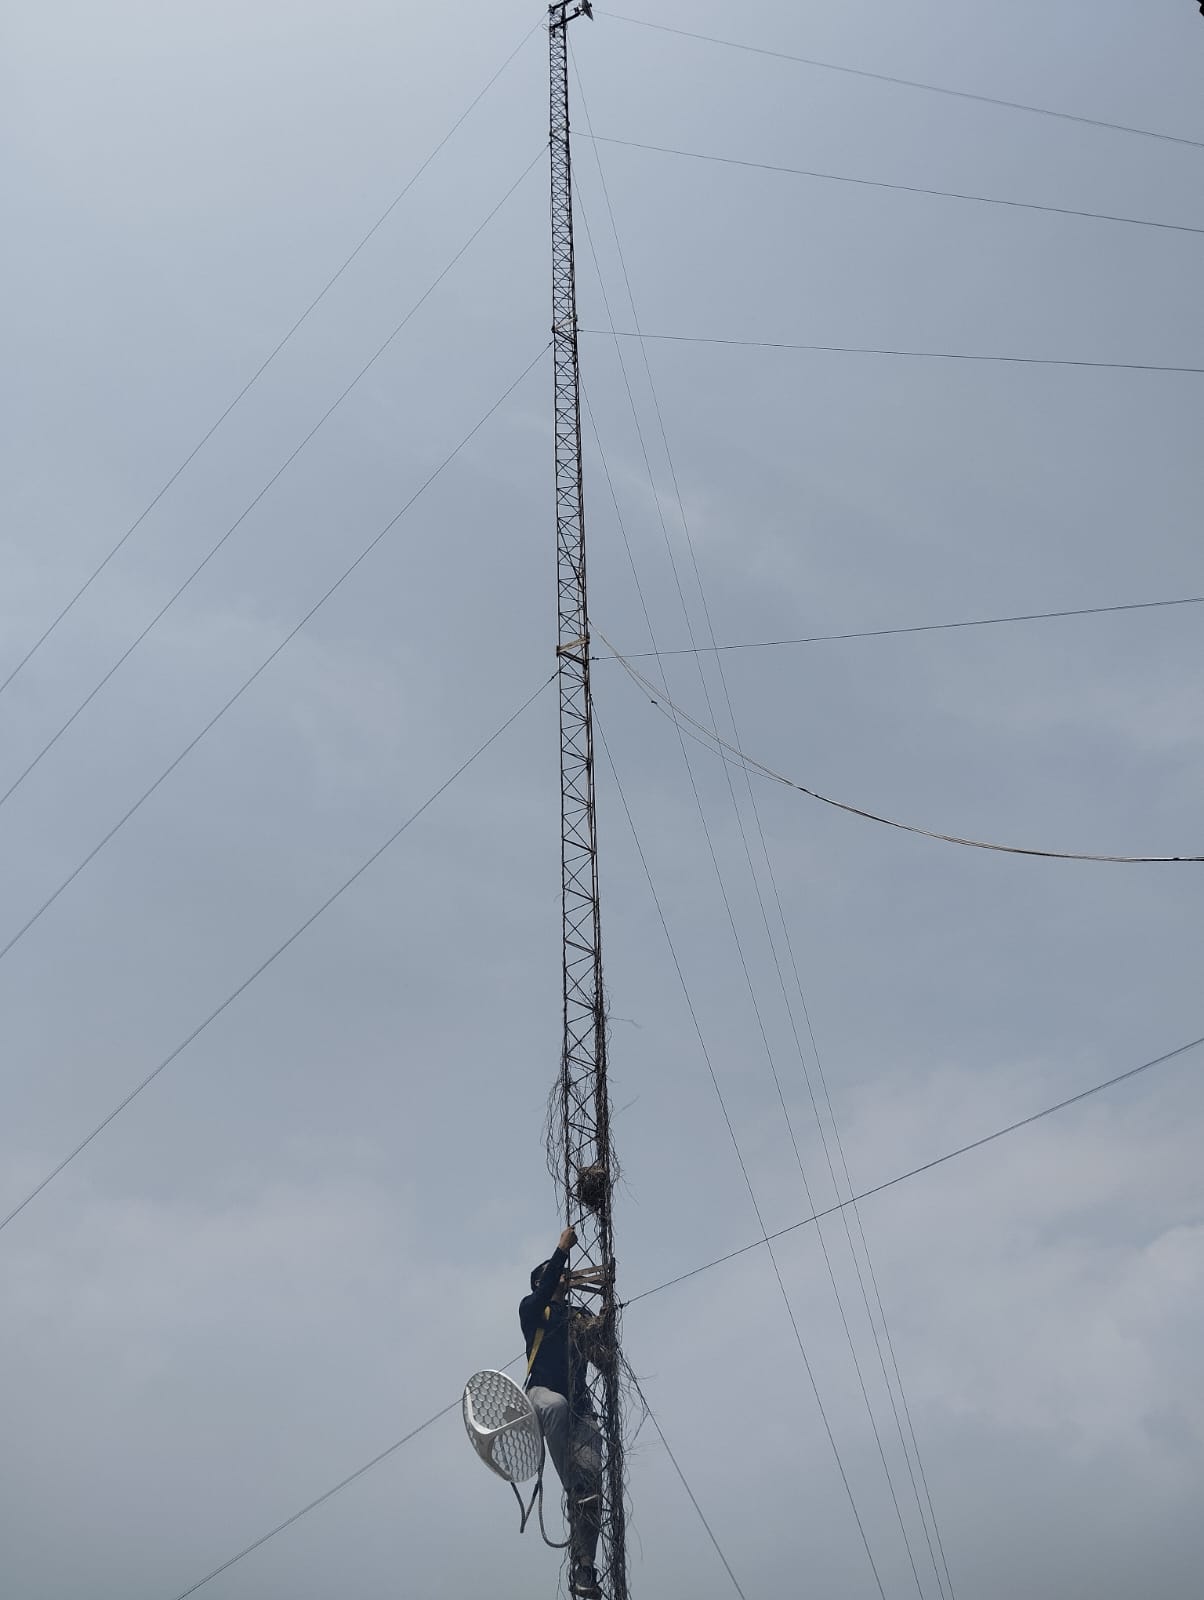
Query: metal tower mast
{"x": 584, "y": 1111}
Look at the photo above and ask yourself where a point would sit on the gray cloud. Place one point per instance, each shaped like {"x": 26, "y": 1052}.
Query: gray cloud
{"x": 300, "y": 1240}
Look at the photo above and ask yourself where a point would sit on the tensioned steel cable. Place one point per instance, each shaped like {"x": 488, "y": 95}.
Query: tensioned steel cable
{"x": 873, "y": 1277}
{"x": 668, "y": 937}
{"x": 921, "y": 627}
{"x": 707, "y": 834}
{"x": 712, "y": 722}
{"x": 267, "y": 660}
{"x": 702, "y": 1516}
{"x": 905, "y": 355}
{"x": 274, "y": 956}
{"x": 769, "y": 1052}
{"x": 909, "y": 83}
{"x": 770, "y": 935}
{"x": 929, "y": 1166}
{"x": 695, "y": 1272}
{"x": 748, "y": 1183}
{"x": 264, "y": 365}
{"x": 320, "y": 1501}
{"x": 638, "y": 335}
{"x": 276, "y": 476}
{"x": 925, "y": 1516}
{"x": 714, "y": 740}
{"x": 902, "y": 188}
{"x": 405, "y": 1439}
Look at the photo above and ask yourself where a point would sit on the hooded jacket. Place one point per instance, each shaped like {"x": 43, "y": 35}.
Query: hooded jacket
{"x": 538, "y": 1310}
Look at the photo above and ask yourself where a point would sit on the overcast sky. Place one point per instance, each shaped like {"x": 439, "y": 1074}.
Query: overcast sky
{"x": 299, "y": 1241}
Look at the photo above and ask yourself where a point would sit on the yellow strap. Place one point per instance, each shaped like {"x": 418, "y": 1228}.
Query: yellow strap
{"x": 547, "y": 1312}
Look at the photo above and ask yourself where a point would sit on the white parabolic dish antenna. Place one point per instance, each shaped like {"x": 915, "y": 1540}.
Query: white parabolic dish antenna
{"x": 503, "y": 1427}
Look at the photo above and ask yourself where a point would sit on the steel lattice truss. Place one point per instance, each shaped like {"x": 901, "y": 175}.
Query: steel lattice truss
{"x": 584, "y": 1108}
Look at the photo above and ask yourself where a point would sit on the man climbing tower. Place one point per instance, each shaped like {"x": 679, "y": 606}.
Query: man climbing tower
{"x": 557, "y": 1390}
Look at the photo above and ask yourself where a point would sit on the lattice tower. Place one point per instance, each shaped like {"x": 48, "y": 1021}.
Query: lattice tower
{"x": 584, "y": 1112}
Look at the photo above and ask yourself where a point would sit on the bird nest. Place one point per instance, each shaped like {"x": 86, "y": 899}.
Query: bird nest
{"x": 592, "y": 1186}
{"x": 595, "y": 1342}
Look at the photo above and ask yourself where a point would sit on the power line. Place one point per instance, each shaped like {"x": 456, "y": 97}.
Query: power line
{"x": 276, "y": 953}
{"x": 910, "y": 83}
{"x": 722, "y": 747}
{"x": 923, "y": 627}
{"x": 279, "y": 473}
{"x": 708, "y": 1266}
{"x": 909, "y": 355}
{"x": 264, "y": 365}
{"x": 928, "y": 1166}
{"x": 902, "y": 188}
{"x": 266, "y": 662}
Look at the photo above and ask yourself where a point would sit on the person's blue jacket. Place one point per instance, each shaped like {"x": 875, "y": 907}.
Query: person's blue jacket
{"x": 538, "y": 1310}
